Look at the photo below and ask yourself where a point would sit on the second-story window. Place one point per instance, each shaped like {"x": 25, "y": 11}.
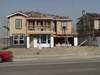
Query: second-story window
{"x": 64, "y": 25}
{"x": 18, "y": 23}
{"x": 31, "y": 25}
{"x": 97, "y": 24}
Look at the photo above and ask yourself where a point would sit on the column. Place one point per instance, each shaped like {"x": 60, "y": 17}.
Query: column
{"x": 52, "y": 41}
{"x": 35, "y": 42}
{"x": 52, "y": 26}
{"x": 35, "y": 26}
{"x": 28, "y": 42}
{"x": 75, "y": 41}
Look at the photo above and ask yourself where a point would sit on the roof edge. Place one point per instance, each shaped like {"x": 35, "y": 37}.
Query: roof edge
{"x": 15, "y": 14}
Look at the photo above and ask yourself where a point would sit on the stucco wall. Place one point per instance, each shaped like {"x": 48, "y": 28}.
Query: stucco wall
{"x": 59, "y": 29}
{"x": 68, "y": 27}
{"x": 13, "y": 30}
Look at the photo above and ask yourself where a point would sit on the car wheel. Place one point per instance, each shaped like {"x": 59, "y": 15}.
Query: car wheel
{"x": 1, "y": 59}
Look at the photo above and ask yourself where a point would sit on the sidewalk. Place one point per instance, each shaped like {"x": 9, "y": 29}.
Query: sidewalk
{"x": 23, "y": 54}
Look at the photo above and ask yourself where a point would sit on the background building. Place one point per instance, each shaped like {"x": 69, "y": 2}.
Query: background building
{"x": 88, "y": 28}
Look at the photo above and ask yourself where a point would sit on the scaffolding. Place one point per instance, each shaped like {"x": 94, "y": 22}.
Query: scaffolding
{"x": 85, "y": 28}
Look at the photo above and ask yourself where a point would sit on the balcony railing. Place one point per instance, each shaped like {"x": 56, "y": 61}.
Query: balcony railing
{"x": 39, "y": 29}
{"x": 41, "y": 32}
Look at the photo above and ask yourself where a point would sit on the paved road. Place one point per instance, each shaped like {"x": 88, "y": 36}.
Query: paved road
{"x": 52, "y": 67}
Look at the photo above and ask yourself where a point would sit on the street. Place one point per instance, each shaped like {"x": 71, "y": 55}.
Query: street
{"x": 52, "y": 67}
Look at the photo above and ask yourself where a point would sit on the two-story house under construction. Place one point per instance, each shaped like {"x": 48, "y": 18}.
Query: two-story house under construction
{"x": 88, "y": 28}
{"x": 33, "y": 29}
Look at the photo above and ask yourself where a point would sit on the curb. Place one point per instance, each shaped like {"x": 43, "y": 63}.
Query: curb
{"x": 56, "y": 57}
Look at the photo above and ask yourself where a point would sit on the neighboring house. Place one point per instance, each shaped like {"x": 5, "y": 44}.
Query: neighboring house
{"x": 88, "y": 28}
{"x": 34, "y": 29}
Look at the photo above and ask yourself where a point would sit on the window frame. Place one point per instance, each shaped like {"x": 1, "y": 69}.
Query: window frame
{"x": 20, "y": 22}
{"x": 43, "y": 38}
{"x": 19, "y": 39}
{"x": 64, "y": 26}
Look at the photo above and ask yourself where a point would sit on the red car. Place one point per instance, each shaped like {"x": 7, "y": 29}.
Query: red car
{"x": 5, "y": 55}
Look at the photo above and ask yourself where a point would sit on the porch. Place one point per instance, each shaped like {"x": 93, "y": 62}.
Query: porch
{"x": 48, "y": 41}
{"x": 40, "y": 41}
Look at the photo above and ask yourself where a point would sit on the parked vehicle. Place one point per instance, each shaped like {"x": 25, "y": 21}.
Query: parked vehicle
{"x": 5, "y": 56}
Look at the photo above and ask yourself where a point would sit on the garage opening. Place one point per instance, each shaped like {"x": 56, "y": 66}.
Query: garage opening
{"x": 63, "y": 41}
{"x": 71, "y": 40}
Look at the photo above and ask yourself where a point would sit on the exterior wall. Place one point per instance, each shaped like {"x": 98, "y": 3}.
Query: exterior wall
{"x": 69, "y": 27}
{"x": 13, "y": 30}
{"x": 59, "y": 29}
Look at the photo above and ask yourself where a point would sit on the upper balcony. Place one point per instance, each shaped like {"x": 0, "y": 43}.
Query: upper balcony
{"x": 39, "y": 26}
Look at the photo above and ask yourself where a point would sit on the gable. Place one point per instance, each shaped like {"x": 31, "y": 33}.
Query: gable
{"x": 16, "y": 14}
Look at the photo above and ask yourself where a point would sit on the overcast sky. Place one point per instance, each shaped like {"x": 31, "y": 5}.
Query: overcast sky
{"x": 70, "y": 8}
